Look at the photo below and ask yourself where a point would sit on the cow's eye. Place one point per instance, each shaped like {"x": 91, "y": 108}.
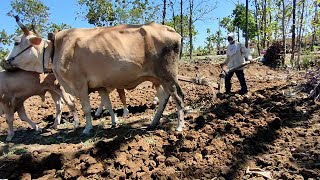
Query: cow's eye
{"x": 16, "y": 43}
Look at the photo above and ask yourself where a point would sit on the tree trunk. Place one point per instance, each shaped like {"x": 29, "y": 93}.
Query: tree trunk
{"x": 257, "y": 25}
{"x": 269, "y": 34}
{"x": 181, "y": 26}
{"x": 283, "y": 32}
{"x": 314, "y": 27}
{"x": 190, "y": 27}
{"x": 264, "y": 23}
{"x": 293, "y": 31}
{"x": 276, "y": 29}
{"x": 219, "y": 33}
{"x": 173, "y": 16}
{"x": 238, "y": 31}
{"x": 300, "y": 35}
{"x": 247, "y": 30}
{"x": 164, "y": 11}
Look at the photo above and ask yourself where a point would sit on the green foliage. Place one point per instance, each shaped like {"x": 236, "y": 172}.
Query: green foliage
{"x": 227, "y": 23}
{"x": 5, "y": 39}
{"x": 31, "y": 11}
{"x": 316, "y": 23}
{"x": 104, "y": 13}
{"x": 213, "y": 39}
{"x": 239, "y": 20}
{"x": 185, "y": 24}
{"x": 99, "y": 12}
{"x": 185, "y": 27}
{"x": 58, "y": 27}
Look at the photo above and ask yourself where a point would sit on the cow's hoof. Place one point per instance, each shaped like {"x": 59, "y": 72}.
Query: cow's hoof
{"x": 125, "y": 112}
{"x": 86, "y": 131}
{"x": 76, "y": 124}
{"x": 36, "y": 128}
{"x": 96, "y": 115}
{"x": 151, "y": 128}
{"x": 114, "y": 125}
{"x": 55, "y": 126}
{"x": 9, "y": 138}
{"x": 179, "y": 129}
{"x": 116, "y": 120}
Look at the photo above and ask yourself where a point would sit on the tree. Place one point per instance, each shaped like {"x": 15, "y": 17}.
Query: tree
{"x": 264, "y": 19}
{"x": 300, "y": 34}
{"x": 181, "y": 26}
{"x": 293, "y": 31}
{"x": 256, "y": 14}
{"x": 247, "y": 22}
{"x": 185, "y": 28}
{"x": 98, "y": 13}
{"x": 212, "y": 39}
{"x": 31, "y": 11}
{"x": 283, "y": 31}
{"x": 5, "y": 39}
{"x": 190, "y": 28}
{"x": 198, "y": 11}
{"x": 164, "y": 11}
{"x": 58, "y": 27}
{"x": 113, "y": 12}
{"x": 173, "y": 13}
{"x": 315, "y": 25}
{"x": 239, "y": 20}
{"x": 227, "y": 23}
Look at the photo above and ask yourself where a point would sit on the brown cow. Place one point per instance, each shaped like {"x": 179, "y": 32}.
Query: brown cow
{"x": 119, "y": 57}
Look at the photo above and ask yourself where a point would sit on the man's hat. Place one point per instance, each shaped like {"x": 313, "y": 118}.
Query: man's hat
{"x": 231, "y": 35}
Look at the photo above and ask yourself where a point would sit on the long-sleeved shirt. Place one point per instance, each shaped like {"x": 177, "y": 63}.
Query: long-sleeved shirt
{"x": 236, "y": 54}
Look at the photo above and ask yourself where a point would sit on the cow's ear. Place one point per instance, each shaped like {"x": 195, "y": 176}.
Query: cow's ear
{"x": 35, "y": 41}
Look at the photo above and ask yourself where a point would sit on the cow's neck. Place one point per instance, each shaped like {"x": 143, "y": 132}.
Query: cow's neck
{"x": 46, "y": 57}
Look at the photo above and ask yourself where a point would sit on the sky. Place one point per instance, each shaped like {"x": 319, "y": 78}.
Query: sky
{"x": 65, "y": 11}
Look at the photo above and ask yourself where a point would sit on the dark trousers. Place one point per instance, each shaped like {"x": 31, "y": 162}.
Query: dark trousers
{"x": 241, "y": 78}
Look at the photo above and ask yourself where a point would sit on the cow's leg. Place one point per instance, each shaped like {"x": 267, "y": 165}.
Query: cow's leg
{"x": 106, "y": 100}
{"x": 86, "y": 108}
{"x": 156, "y": 96}
{"x": 9, "y": 119}
{"x": 72, "y": 108}
{"x": 122, "y": 96}
{"x": 57, "y": 101}
{"x": 99, "y": 110}
{"x": 23, "y": 116}
{"x": 67, "y": 98}
{"x": 70, "y": 101}
{"x": 172, "y": 87}
{"x": 177, "y": 94}
{"x": 164, "y": 97}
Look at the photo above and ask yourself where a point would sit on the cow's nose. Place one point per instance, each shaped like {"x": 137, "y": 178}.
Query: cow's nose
{"x": 6, "y": 65}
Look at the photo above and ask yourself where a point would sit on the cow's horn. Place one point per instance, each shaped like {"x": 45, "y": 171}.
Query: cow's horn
{"x": 24, "y": 29}
{"x": 34, "y": 29}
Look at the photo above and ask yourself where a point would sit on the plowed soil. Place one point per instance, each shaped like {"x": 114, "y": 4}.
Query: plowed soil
{"x": 275, "y": 128}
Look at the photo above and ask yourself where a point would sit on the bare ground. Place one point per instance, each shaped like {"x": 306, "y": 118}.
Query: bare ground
{"x": 275, "y": 128}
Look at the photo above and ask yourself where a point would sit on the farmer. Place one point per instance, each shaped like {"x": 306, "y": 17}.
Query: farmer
{"x": 237, "y": 54}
